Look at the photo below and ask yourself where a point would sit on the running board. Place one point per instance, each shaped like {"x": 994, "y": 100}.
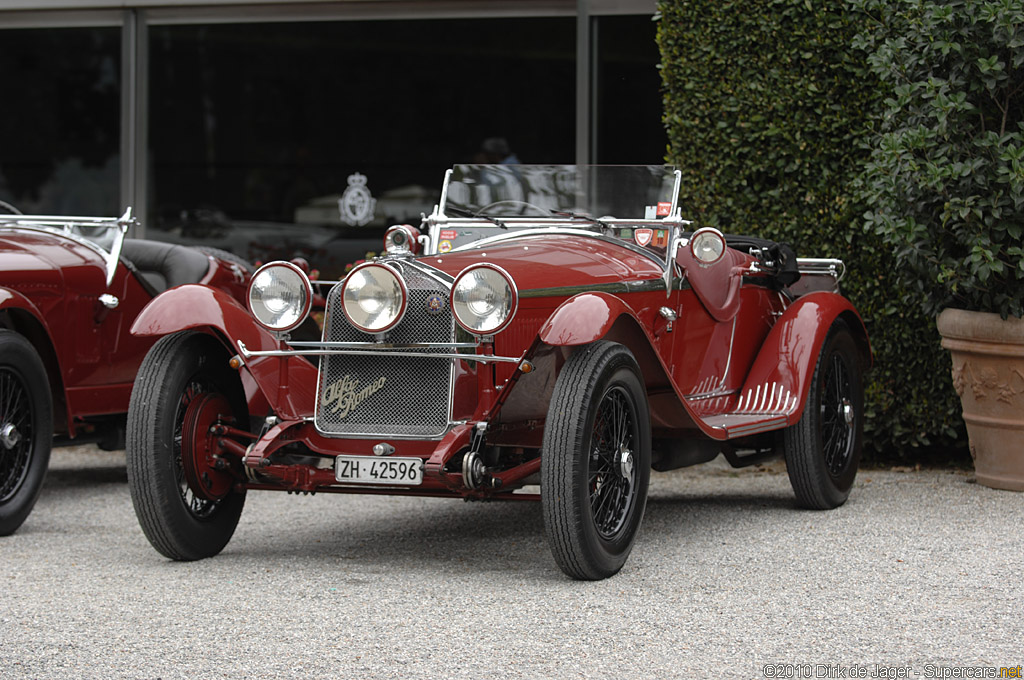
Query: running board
{"x": 744, "y": 424}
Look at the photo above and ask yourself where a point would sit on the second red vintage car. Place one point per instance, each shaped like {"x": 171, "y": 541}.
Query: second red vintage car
{"x": 70, "y": 288}
{"x": 557, "y": 326}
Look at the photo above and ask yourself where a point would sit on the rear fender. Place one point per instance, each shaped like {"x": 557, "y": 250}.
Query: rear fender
{"x": 780, "y": 378}
{"x": 290, "y": 389}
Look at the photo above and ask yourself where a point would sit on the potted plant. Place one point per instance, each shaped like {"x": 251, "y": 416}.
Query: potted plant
{"x": 945, "y": 186}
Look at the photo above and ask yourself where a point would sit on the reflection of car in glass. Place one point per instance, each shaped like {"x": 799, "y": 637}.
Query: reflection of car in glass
{"x": 70, "y": 288}
{"x": 552, "y": 325}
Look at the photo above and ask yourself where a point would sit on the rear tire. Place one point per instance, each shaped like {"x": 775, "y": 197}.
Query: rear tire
{"x": 26, "y": 429}
{"x": 823, "y": 449}
{"x": 596, "y": 461}
{"x": 179, "y": 369}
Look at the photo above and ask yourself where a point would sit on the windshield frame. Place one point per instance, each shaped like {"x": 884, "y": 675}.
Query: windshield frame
{"x": 63, "y": 226}
{"x": 511, "y": 227}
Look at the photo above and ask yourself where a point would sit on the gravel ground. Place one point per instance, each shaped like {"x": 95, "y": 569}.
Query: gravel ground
{"x": 919, "y": 569}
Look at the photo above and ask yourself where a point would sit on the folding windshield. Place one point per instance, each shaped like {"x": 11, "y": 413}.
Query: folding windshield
{"x": 630, "y": 192}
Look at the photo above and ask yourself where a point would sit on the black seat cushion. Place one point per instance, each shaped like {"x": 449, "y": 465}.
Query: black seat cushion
{"x": 165, "y": 265}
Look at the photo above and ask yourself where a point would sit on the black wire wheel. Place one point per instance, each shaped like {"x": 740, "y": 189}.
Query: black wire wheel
{"x": 26, "y": 429}
{"x": 823, "y": 448}
{"x": 596, "y": 461}
{"x": 183, "y": 386}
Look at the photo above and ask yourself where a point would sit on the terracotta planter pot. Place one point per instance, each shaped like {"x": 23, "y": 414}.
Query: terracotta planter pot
{"x": 988, "y": 374}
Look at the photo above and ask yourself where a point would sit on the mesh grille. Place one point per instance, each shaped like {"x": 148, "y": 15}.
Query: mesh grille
{"x": 388, "y": 395}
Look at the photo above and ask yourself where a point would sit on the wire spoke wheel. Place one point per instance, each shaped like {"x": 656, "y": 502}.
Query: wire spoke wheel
{"x": 184, "y": 385}
{"x": 595, "y": 461}
{"x": 16, "y": 433}
{"x": 612, "y": 479}
{"x": 823, "y": 448}
{"x": 199, "y": 507}
{"x": 837, "y": 417}
{"x": 26, "y": 429}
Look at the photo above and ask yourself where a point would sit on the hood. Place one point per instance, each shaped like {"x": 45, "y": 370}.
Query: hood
{"x": 34, "y": 262}
{"x": 554, "y": 260}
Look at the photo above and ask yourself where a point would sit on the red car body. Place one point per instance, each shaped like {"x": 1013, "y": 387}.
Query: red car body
{"x": 68, "y": 297}
{"x": 627, "y": 344}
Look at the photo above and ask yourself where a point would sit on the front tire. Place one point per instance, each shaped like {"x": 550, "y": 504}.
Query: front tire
{"x": 596, "y": 461}
{"x": 181, "y": 370}
{"x": 823, "y": 449}
{"x": 26, "y": 429}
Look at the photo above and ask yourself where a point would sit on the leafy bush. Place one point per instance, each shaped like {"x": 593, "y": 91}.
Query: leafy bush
{"x": 945, "y": 181}
{"x": 767, "y": 108}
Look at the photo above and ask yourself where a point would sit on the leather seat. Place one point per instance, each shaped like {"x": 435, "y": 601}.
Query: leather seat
{"x": 162, "y": 265}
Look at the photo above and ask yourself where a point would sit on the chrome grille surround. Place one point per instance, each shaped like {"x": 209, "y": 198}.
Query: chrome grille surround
{"x": 393, "y": 396}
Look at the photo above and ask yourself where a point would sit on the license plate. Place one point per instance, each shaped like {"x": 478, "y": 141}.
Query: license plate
{"x": 367, "y": 470}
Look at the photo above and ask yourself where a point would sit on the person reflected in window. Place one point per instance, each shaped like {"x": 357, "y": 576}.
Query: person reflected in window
{"x": 496, "y": 151}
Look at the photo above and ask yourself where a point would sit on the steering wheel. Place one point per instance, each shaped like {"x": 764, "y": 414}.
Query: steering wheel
{"x": 524, "y": 206}
{"x": 6, "y": 207}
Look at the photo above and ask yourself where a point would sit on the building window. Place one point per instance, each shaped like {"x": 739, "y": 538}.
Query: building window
{"x": 254, "y": 126}
{"x": 628, "y": 97}
{"x": 61, "y": 120}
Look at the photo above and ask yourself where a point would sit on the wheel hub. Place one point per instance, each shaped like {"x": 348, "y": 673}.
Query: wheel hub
{"x": 9, "y": 436}
{"x": 625, "y": 463}
{"x": 846, "y": 411}
{"x": 198, "y": 447}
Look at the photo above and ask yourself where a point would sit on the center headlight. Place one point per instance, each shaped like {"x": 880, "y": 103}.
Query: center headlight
{"x": 374, "y": 297}
{"x": 280, "y": 296}
{"x": 484, "y": 299}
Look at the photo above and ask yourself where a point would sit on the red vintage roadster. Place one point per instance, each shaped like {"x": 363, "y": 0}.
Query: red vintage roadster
{"x": 70, "y": 288}
{"x": 557, "y": 327}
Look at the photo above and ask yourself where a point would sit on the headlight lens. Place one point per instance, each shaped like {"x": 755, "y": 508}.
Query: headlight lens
{"x": 707, "y": 245}
{"x": 374, "y": 297}
{"x": 279, "y": 296}
{"x": 484, "y": 299}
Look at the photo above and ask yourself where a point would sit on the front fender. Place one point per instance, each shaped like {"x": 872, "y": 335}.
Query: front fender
{"x": 780, "y": 378}
{"x": 195, "y": 306}
{"x": 198, "y": 307}
{"x": 583, "y": 319}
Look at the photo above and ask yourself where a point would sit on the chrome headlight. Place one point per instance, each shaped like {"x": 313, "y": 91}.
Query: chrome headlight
{"x": 707, "y": 245}
{"x": 484, "y": 299}
{"x": 280, "y": 296}
{"x": 374, "y": 297}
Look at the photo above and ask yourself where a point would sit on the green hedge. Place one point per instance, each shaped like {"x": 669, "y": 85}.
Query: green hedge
{"x": 768, "y": 109}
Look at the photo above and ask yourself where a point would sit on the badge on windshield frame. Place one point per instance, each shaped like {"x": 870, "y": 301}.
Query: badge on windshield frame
{"x": 643, "y": 236}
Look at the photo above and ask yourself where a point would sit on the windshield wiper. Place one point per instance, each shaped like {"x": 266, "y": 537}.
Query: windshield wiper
{"x": 462, "y": 212}
{"x": 580, "y": 216}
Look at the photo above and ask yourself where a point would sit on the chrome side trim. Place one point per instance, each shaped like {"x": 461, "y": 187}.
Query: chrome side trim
{"x": 566, "y": 231}
{"x": 642, "y": 286}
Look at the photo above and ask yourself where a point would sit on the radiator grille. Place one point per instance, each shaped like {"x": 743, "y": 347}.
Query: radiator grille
{"x": 388, "y": 395}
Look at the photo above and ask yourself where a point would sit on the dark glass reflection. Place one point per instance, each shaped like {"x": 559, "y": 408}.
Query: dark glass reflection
{"x": 628, "y": 111}
{"x": 258, "y": 130}
{"x": 60, "y": 120}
